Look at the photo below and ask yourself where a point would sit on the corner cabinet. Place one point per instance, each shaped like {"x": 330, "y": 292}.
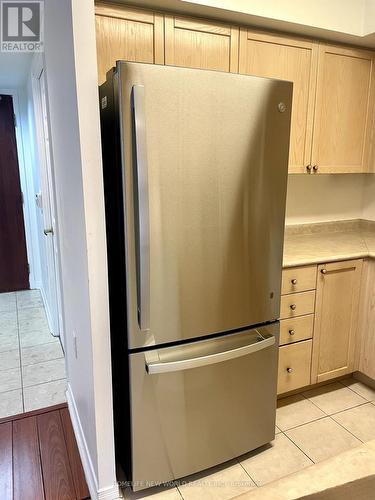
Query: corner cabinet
{"x": 344, "y": 110}
{"x": 294, "y": 60}
{"x": 336, "y": 319}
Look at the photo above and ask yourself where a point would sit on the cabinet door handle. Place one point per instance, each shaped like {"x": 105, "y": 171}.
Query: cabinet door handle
{"x": 289, "y": 370}
{"x": 323, "y": 271}
{"x": 308, "y": 168}
{"x": 315, "y": 168}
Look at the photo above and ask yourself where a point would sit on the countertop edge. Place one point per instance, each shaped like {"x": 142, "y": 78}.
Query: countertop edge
{"x": 321, "y": 260}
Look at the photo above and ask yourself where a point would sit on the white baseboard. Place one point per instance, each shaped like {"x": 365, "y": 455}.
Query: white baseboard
{"x": 34, "y": 284}
{"x": 109, "y": 493}
{"x": 46, "y": 308}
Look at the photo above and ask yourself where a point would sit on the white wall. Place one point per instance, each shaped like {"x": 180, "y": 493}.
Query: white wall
{"x": 346, "y": 16}
{"x": 321, "y": 198}
{"x": 74, "y": 121}
{"x": 369, "y": 20}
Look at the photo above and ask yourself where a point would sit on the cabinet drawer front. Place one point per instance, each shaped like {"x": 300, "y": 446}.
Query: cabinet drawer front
{"x": 297, "y": 304}
{"x": 296, "y": 329}
{"x": 294, "y": 366}
{"x": 298, "y": 279}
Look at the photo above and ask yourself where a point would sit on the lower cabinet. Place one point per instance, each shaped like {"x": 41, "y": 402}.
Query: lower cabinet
{"x": 336, "y": 319}
{"x": 319, "y": 317}
{"x": 294, "y": 366}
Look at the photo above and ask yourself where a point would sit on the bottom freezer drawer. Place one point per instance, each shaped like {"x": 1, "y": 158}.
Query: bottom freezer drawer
{"x": 200, "y": 404}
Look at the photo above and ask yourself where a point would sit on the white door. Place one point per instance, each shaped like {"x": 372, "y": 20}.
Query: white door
{"x": 47, "y": 204}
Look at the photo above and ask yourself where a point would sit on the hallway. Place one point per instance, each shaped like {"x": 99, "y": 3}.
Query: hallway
{"x": 32, "y": 365}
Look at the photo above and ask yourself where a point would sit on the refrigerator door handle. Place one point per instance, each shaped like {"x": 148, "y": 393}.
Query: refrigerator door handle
{"x": 155, "y": 367}
{"x": 142, "y": 207}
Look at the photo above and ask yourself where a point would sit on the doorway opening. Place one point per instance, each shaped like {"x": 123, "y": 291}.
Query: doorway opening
{"x": 14, "y": 268}
{"x": 32, "y": 364}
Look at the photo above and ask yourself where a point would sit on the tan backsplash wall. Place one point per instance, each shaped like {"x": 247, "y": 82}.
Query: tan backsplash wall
{"x": 368, "y": 202}
{"x": 321, "y": 198}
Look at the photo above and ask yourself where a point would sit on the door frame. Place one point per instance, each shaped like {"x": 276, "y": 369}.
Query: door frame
{"x": 27, "y": 188}
{"x": 37, "y": 67}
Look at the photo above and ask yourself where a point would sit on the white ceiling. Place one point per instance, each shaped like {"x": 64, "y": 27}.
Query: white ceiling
{"x": 13, "y": 69}
{"x": 346, "y": 21}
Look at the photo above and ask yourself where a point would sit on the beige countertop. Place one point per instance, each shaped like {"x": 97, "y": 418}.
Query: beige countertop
{"x": 319, "y": 243}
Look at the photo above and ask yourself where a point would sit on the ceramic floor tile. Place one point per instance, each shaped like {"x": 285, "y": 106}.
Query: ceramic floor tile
{"x": 221, "y": 483}
{"x": 32, "y": 319}
{"x": 7, "y": 302}
{"x": 157, "y": 493}
{"x": 296, "y": 410}
{"x": 9, "y": 342}
{"x": 40, "y": 353}
{"x": 40, "y": 373}
{"x": 29, "y": 298}
{"x": 43, "y": 395}
{"x": 363, "y": 390}
{"x": 360, "y": 421}
{"x": 33, "y": 338}
{"x": 322, "y": 439}
{"x": 10, "y": 379}
{"x": 9, "y": 359}
{"x": 8, "y": 323}
{"x": 274, "y": 461}
{"x": 11, "y": 403}
{"x": 333, "y": 398}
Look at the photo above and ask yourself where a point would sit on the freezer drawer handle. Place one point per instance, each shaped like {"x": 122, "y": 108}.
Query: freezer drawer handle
{"x": 185, "y": 364}
{"x": 142, "y": 207}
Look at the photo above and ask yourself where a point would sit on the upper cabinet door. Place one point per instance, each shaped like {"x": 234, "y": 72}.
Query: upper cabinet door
{"x": 123, "y": 33}
{"x": 201, "y": 44}
{"x": 289, "y": 59}
{"x": 344, "y": 110}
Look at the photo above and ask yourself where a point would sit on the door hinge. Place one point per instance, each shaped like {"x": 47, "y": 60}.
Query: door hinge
{"x": 15, "y": 119}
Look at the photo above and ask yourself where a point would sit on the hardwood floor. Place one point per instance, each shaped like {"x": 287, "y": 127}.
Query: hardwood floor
{"x": 39, "y": 457}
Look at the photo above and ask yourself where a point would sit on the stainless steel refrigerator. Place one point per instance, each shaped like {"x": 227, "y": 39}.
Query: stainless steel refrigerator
{"x": 195, "y": 172}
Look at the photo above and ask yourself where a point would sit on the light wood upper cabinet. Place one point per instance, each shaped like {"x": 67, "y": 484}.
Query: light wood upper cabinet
{"x": 343, "y": 110}
{"x": 336, "y": 319}
{"x": 123, "y": 33}
{"x": 200, "y": 44}
{"x": 289, "y": 59}
{"x": 333, "y": 110}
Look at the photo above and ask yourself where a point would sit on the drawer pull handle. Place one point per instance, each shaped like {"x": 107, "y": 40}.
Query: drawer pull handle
{"x": 289, "y": 370}
{"x": 294, "y": 281}
{"x": 291, "y": 332}
{"x": 323, "y": 271}
{"x": 293, "y": 306}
